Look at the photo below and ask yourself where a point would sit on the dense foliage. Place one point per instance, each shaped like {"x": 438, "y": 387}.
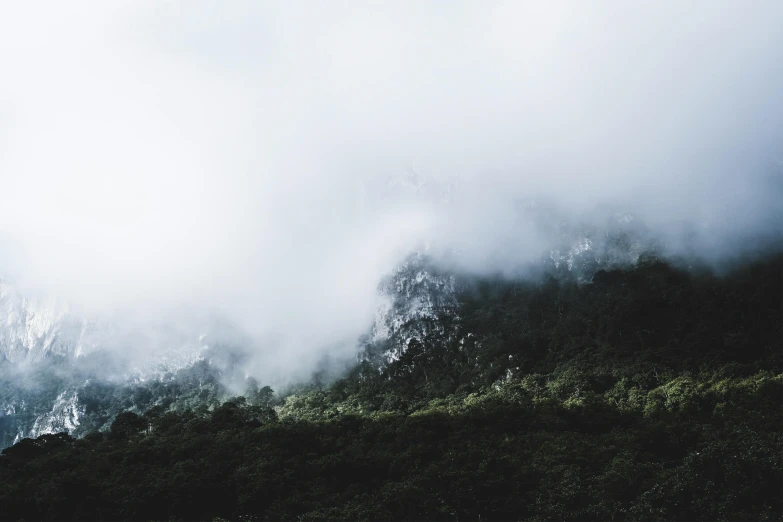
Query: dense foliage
{"x": 648, "y": 394}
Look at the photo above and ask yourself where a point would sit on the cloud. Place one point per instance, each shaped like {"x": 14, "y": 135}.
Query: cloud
{"x": 160, "y": 156}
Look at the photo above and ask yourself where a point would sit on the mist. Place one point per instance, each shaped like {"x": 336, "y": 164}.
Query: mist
{"x": 269, "y": 163}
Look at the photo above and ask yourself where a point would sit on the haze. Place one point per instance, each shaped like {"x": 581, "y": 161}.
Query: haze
{"x": 249, "y": 159}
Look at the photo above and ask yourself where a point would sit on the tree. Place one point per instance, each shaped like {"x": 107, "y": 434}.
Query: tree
{"x": 265, "y": 396}
{"x": 127, "y": 424}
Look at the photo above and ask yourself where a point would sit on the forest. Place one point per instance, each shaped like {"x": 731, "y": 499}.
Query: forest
{"x": 647, "y": 393}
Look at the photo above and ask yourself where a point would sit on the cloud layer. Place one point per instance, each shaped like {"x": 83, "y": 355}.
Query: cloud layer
{"x": 161, "y": 156}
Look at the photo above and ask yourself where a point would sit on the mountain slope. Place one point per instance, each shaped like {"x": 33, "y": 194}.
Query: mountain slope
{"x": 647, "y": 394}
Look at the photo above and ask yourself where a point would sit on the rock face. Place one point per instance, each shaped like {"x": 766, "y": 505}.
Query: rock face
{"x": 64, "y": 416}
{"x": 414, "y": 298}
{"x": 48, "y": 355}
{"x": 34, "y": 329}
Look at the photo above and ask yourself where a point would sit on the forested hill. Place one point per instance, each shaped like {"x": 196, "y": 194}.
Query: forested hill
{"x": 653, "y": 393}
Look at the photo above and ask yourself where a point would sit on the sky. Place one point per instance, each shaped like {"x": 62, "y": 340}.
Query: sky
{"x": 249, "y": 158}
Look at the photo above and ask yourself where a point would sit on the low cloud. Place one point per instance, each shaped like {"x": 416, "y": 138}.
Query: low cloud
{"x": 270, "y": 162}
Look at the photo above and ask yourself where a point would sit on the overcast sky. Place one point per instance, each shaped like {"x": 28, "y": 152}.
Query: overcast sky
{"x": 235, "y": 156}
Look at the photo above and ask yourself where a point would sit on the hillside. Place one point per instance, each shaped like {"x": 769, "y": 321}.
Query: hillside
{"x": 649, "y": 393}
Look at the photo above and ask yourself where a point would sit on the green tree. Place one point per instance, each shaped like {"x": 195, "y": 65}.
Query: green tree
{"x": 127, "y": 424}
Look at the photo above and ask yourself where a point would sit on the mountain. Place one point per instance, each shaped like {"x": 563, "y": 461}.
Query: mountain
{"x": 51, "y": 360}
{"x": 648, "y": 392}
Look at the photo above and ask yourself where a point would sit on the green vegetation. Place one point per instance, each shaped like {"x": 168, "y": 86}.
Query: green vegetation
{"x": 650, "y": 394}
